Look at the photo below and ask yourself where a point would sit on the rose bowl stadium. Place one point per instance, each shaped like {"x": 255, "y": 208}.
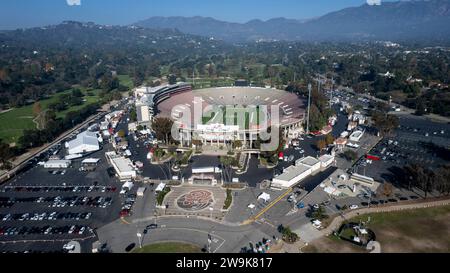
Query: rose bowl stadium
{"x": 222, "y": 114}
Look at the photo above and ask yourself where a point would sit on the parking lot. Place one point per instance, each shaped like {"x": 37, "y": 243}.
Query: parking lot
{"x": 41, "y": 209}
{"x": 396, "y": 152}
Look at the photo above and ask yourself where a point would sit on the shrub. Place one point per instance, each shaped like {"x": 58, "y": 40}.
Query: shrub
{"x": 161, "y": 195}
{"x": 228, "y": 200}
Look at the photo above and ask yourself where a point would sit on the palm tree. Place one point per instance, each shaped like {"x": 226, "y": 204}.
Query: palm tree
{"x": 227, "y": 163}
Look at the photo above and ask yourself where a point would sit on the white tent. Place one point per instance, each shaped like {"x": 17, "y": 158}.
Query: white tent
{"x": 160, "y": 187}
{"x": 84, "y": 143}
{"x": 264, "y": 196}
{"x": 129, "y": 185}
{"x": 90, "y": 161}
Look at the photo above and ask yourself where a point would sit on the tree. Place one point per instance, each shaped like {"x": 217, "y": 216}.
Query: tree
{"x": 385, "y": 123}
{"x": 237, "y": 144}
{"x": 172, "y": 79}
{"x": 227, "y": 162}
{"x": 121, "y": 133}
{"x": 5, "y": 154}
{"x": 442, "y": 180}
{"x": 350, "y": 155}
{"x": 288, "y": 235}
{"x": 421, "y": 177}
{"x": 386, "y": 189}
{"x": 198, "y": 143}
{"x": 329, "y": 139}
{"x": 319, "y": 213}
{"x": 133, "y": 114}
{"x": 77, "y": 93}
{"x": 163, "y": 127}
{"x": 321, "y": 144}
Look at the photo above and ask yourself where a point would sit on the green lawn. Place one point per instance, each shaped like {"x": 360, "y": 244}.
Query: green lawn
{"x": 14, "y": 122}
{"x": 169, "y": 247}
{"x": 126, "y": 80}
{"x": 420, "y": 230}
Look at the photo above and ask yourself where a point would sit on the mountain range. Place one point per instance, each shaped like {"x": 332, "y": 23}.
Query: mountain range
{"x": 397, "y": 21}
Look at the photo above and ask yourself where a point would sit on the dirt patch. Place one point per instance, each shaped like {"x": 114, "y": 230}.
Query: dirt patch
{"x": 412, "y": 231}
{"x": 332, "y": 244}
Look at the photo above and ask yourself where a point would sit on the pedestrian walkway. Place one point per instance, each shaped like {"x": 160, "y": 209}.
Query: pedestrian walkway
{"x": 337, "y": 221}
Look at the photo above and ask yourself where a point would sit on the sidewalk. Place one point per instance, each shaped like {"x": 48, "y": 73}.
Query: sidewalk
{"x": 338, "y": 220}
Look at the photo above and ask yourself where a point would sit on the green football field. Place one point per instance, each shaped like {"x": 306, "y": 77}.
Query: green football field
{"x": 244, "y": 117}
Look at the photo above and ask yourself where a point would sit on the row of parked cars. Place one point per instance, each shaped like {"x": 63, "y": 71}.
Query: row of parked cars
{"x": 127, "y": 205}
{"x": 46, "y": 216}
{"x": 98, "y": 202}
{"x": 59, "y": 201}
{"x": 46, "y": 230}
{"x": 73, "y": 188}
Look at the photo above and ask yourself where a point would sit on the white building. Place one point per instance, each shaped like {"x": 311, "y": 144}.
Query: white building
{"x": 326, "y": 161}
{"x": 309, "y": 161}
{"x": 143, "y": 114}
{"x": 356, "y": 136}
{"x": 85, "y": 142}
{"x": 123, "y": 166}
{"x": 141, "y": 191}
{"x": 291, "y": 176}
{"x": 57, "y": 164}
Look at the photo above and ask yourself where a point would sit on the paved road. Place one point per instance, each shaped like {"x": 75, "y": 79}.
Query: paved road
{"x": 225, "y": 238}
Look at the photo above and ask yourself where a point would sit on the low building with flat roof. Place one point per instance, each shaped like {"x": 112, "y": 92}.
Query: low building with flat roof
{"x": 309, "y": 161}
{"x": 326, "y": 161}
{"x": 124, "y": 168}
{"x": 57, "y": 164}
{"x": 291, "y": 176}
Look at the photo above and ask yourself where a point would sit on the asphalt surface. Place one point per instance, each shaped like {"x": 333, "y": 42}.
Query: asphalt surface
{"x": 225, "y": 239}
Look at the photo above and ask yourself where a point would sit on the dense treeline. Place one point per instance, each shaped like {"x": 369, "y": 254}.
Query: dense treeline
{"x": 35, "y": 138}
{"x": 37, "y": 63}
{"x": 41, "y": 61}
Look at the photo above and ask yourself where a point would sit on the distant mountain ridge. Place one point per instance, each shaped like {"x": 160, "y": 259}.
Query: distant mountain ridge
{"x": 404, "y": 20}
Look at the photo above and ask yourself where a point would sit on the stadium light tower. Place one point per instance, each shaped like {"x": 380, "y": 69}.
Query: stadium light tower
{"x": 331, "y": 93}
{"x": 309, "y": 107}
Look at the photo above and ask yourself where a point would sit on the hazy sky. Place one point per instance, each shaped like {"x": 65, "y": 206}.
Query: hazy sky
{"x": 27, "y": 13}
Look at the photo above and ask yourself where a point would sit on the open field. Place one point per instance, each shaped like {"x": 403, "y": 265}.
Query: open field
{"x": 420, "y": 230}
{"x": 169, "y": 247}
{"x": 14, "y": 122}
{"x": 126, "y": 80}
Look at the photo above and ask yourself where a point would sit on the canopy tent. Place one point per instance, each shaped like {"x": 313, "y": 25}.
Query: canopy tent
{"x": 160, "y": 187}
{"x": 264, "y": 196}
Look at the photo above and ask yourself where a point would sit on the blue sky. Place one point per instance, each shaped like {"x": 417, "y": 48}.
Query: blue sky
{"x": 27, "y": 13}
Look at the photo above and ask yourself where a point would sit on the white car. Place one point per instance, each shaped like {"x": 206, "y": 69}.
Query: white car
{"x": 72, "y": 229}
{"x": 354, "y": 207}
{"x": 81, "y": 231}
{"x": 69, "y": 247}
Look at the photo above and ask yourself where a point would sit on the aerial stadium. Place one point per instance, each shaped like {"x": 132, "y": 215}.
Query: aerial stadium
{"x": 226, "y": 113}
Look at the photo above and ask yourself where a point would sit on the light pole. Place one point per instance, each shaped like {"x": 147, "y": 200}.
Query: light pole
{"x": 209, "y": 242}
{"x": 211, "y": 212}
{"x": 309, "y": 107}
{"x": 139, "y": 235}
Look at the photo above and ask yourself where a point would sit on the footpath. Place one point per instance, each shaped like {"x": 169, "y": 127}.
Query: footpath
{"x": 338, "y": 220}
